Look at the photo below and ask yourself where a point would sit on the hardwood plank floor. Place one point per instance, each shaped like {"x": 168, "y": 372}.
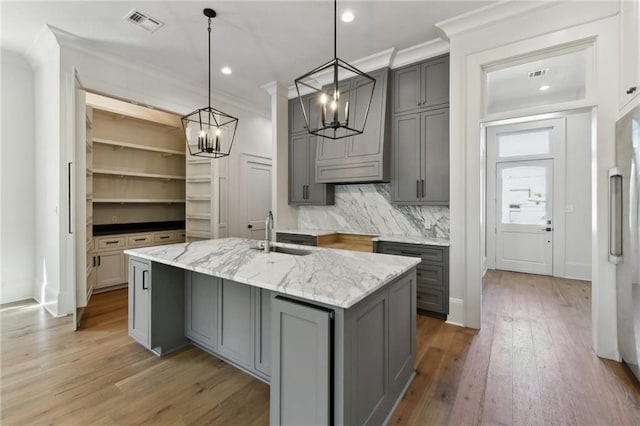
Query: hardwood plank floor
{"x": 531, "y": 364}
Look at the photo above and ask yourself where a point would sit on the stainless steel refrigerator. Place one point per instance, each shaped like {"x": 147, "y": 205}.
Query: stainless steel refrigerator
{"x": 624, "y": 241}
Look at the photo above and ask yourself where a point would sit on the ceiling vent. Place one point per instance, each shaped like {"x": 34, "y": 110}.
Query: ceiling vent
{"x": 143, "y": 20}
{"x": 538, "y": 73}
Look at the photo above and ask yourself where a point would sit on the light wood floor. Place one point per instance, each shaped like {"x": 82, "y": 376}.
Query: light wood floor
{"x": 531, "y": 364}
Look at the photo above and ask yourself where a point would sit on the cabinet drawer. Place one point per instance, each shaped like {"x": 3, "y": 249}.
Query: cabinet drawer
{"x": 110, "y": 242}
{"x": 430, "y": 277}
{"x": 164, "y": 237}
{"x": 179, "y": 236}
{"x": 139, "y": 240}
{"x": 430, "y": 300}
{"x": 427, "y": 254}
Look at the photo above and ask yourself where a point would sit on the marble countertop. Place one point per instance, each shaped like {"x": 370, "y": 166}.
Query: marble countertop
{"x": 339, "y": 278}
{"x": 409, "y": 239}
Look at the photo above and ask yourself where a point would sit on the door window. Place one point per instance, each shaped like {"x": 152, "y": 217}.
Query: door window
{"x": 524, "y": 195}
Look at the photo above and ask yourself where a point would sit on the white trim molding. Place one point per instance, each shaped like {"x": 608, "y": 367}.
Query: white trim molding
{"x": 420, "y": 52}
{"x": 456, "y": 312}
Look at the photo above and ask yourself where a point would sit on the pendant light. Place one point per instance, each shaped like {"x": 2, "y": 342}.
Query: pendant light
{"x": 328, "y": 112}
{"x": 209, "y": 132}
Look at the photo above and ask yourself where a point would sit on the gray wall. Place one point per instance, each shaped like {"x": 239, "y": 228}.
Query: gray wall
{"x": 366, "y": 208}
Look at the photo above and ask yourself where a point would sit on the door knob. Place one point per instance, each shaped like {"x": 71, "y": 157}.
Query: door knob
{"x": 249, "y": 226}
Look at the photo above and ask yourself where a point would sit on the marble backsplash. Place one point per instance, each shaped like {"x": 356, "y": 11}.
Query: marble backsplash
{"x": 367, "y": 209}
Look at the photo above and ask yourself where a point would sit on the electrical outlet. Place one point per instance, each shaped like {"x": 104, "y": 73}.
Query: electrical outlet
{"x": 114, "y": 219}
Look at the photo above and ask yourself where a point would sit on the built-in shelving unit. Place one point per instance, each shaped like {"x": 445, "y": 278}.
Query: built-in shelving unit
{"x": 90, "y": 270}
{"x": 206, "y": 181}
{"x": 138, "y": 168}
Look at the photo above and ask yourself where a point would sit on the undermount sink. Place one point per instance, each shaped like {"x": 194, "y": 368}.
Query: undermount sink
{"x": 284, "y": 250}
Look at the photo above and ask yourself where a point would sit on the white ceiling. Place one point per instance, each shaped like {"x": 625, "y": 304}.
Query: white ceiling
{"x": 261, "y": 41}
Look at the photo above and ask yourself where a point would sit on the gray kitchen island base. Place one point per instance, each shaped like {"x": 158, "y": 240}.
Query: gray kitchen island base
{"x": 325, "y": 364}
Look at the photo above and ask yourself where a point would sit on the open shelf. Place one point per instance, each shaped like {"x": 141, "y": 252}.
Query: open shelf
{"x": 196, "y": 216}
{"x": 123, "y": 173}
{"x": 191, "y": 160}
{"x": 199, "y": 179}
{"x": 122, "y": 145}
{"x": 196, "y": 234}
{"x": 199, "y": 197}
{"x": 138, "y": 200}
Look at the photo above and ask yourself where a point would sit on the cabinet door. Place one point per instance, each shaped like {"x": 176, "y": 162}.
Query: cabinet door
{"x": 110, "y": 269}
{"x": 406, "y": 93}
{"x": 263, "y": 331}
{"x": 140, "y": 302}
{"x": 298, "y": 168}
{"x": 630, "y": 43}
{"x": 435, "y": 82}
{"x": 406, "y": 154}
{"x": 235, "y": 322}
{"x": 316, "y": 192}
{"x": 301, "y": 370}
{"x": 370, "y": 142}
{"x": 296, "y": 117}
{"x": 435, "y": 172}
{"x": 201, "y": 298}
{"x": 402, "y": 333}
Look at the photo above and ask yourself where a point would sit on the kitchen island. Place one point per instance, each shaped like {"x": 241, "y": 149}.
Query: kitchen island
{"x": 331, "y": 331}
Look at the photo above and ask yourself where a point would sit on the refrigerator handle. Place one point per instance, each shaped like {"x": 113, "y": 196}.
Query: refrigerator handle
{"x": 633, "y": 214}
{"x": 615, "y": 215}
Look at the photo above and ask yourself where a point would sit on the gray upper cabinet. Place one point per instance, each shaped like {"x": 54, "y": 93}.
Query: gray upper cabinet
{"x": 421, "y": 86}
{"x": 365, "y": 157}
{"x": 303, "y": 189}
{"x": 421, "y": 158}
{"x": 420, "y": 133}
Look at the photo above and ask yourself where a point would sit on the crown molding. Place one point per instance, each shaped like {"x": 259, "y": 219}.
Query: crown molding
{"x": 71, "y": 41}
{"x": 368, "y": 63}
{"x": 486, "y": 16}
{"x": 420, "y": 52}
{"x": 275, "y": 88}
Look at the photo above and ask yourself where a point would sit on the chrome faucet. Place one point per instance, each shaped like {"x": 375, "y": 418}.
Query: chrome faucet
{"x": 268, "y": 226}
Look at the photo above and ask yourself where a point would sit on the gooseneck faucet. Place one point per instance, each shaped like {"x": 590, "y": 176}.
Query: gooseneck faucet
{"x": 268, "y": 226}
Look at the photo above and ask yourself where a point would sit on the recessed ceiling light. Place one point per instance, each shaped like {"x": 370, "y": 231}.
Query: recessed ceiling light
{"x": 544, "y": 87}
{"x": 226, "y": 70}
{"x": 347, "y": 16}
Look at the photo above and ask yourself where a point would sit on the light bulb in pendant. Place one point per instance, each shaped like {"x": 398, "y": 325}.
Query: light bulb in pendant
{"x": 323, "y": 99}
{"x": 218, "y": 131}
{"x": 334, "y": 105}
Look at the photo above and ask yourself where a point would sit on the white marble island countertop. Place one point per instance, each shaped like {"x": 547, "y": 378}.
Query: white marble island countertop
{"x": 339, "y": 278}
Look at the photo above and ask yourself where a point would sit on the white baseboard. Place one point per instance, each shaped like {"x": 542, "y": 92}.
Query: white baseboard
{"x": 577, "y": 271}
{"x": 15, "y": 291}
{"x": 456, "y": 312}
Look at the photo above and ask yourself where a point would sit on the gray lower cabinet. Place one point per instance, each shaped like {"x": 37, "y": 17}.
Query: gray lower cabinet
{"x": 306, "y": 240}
{"x": 421, "y": 86}
{"x": 201, "y": 320}
{"x": 140, "y": 302}
{"x": 230, "y": 320}
{"x": 301, "y": 381}
{"x": 364, "y": 157}
{"x": 432, "y": 274}
{"x": 420, "y": 145}
{"x": 303, "y": 188}
{"x": 156, "y": 309}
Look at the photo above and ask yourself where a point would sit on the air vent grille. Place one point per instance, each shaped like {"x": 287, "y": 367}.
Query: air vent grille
{"x": 538, "y": 73}
{"x": 143, "y": 20}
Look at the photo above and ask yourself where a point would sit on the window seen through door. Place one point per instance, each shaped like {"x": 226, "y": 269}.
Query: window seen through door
{"x": 520, "y": 144}
{"x": 524, "y": 195}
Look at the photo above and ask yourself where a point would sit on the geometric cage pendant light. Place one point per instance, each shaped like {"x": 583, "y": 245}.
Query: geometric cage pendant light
{"x": 336, "y": 108}
{"x": 209, "y": 132}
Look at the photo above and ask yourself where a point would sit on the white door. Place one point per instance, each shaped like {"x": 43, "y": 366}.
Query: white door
{"x": 524, "y": 224}
{"x": 255, "y": 196}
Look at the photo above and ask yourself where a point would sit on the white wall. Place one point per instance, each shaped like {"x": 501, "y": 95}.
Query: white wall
{"x": 17, "y": 208}
{"x": 578, "y": 197}
{"x": 44, "y": 58}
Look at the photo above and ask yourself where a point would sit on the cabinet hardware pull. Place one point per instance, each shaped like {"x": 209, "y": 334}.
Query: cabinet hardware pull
{"x": 164, "y": 237}
{"x": 99, "y": 261}
{"x": 144, "y": 281}
{"x": 112, "y": 242}
{"x": 418, "y": 103}
{"x": 249, "y": 226}
{"x": 94, "y": 261}
{"x": 631, "y": 90}
{"x": 417, "y": 188}
{"x": 70, "y": 198}
{"x": 422, "y": 188}
{"x": 139, "y": 239}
